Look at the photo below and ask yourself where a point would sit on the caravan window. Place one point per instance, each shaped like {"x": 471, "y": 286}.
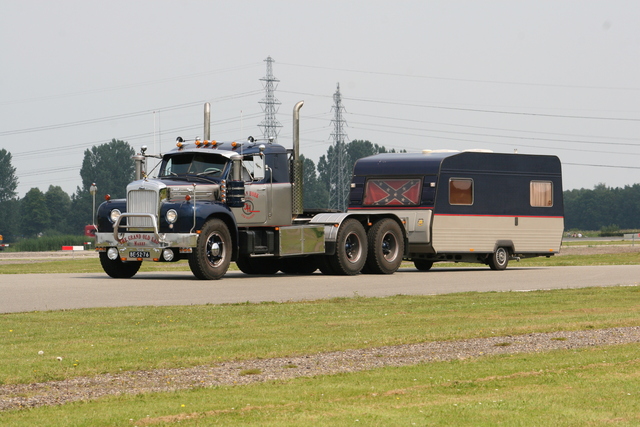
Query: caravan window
{"x": 461, "y": 191}
{"x": 541, "y": 194}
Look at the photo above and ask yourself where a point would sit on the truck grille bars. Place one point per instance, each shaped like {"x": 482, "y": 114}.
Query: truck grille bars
{"x": 142, "y": 201}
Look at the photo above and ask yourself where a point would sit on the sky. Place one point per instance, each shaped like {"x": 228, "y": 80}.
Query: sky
{"x": 540, "y": 77}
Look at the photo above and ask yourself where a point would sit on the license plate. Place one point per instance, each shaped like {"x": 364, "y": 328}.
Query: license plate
{"x": 139, "y": 254}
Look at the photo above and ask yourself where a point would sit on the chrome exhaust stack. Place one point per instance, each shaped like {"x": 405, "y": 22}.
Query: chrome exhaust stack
{"x": 296, "y": 188}
{"x": 206, "y": 135}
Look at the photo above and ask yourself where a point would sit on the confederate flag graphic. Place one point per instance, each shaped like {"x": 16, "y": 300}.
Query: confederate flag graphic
{"x": 392, "y": 192}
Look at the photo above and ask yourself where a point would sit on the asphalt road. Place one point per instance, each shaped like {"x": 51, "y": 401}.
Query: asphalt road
{"x": 30, "y": 292}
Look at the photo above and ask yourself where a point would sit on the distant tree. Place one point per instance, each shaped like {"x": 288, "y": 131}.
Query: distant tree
{"x": 111, "y": 168}
{"x": 59, "y": 205}
{"x": 8, "y": 179}
{"x": 602, "y": 207}
{"x": 34, "y": 213}
{"x": 315, "y": 195}
{"x": 10, "y": 219}
{"x": 355, "y": 150}
{"x": 8, "y": 202}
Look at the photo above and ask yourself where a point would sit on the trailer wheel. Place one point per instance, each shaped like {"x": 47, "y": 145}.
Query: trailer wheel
{"x": 266, "y": 266}
{"x": 423, "y": 264}
{"x": 299, "y": 265}
{"x": 386, "y": 246}
{"x": 212, "y": 256}
{"x": 499, "y": 259}
{"x": 117, "y": 268}
{"x": 351, "y": 249}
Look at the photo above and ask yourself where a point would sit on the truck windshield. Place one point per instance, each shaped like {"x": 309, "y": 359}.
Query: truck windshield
{"x": 189, "y": 164}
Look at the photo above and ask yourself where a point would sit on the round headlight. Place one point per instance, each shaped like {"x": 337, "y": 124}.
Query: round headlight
{"x": 171, "y": 216}
{"x": 112, "y": 254}
{"x": 114, "y": 215}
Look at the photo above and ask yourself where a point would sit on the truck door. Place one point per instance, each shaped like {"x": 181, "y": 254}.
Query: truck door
{"x": 256, "y": 193}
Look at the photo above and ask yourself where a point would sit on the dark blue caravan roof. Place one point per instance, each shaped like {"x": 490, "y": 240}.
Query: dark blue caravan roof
{"x": 435, "y": 162}
{"x": 392, "y": 164}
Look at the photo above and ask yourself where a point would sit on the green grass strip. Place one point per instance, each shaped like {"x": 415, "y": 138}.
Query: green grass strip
{"x": 93, "y": 341}
{"x": 595, "y": 386}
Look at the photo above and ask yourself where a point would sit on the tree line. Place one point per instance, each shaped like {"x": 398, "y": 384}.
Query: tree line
{"x": 602, "y": 208}
{"x": 110, "y": 166}
{"x": 53, "y": 211}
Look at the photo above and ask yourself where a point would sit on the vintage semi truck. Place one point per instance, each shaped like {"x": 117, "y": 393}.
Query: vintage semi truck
{"x": 214, "y": 203}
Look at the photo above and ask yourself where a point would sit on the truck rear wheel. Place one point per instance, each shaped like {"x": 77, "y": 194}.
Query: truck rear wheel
{"x": 351, "y": 249}
{"x": 499, "y": 259}
{"x": 212, "y": 256}
{"x": 250, "y": 265}
{"x": 117, "y": 268}
{"x": 386, "y": 246}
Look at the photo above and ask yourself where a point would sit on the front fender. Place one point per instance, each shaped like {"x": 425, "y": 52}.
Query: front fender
{"x": 103, "y": 220}
{"x": 208, "y": 210}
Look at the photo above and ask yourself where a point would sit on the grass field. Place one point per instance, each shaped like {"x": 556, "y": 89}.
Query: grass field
{"x": 592, "y": 386}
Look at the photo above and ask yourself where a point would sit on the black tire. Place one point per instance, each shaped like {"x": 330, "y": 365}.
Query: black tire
{"x": 423, "y": 264}
{"x": 386, "y": 247}
{"x": 298, "y": 265}
{"x": 499, "y": 259}
{"x": 117, "y": 268}
{"x": 266, "y": 266}
{"x": 324, "y": 264}
{"x": 212, "y": 256}
{"x": 351, "y": 249}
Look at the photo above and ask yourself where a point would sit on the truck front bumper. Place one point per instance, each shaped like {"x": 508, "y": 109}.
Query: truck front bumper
{"x": 145, "y": 246}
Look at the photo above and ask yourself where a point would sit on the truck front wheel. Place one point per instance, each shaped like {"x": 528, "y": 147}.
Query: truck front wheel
{"x": 117, "y": 268}
{"x": 386, "y": 246}
{"x": 351, "y": 249}
{"x": 212, "y": 256}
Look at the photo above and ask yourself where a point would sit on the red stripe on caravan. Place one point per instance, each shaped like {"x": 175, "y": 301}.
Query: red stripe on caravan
{"x": 501, "y": 216}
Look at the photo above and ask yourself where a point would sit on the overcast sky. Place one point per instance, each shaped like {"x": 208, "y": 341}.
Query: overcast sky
{"x": 543, "y": 77}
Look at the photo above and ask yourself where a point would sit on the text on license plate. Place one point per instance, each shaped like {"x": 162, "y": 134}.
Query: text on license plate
{"x": 139, "y": 254}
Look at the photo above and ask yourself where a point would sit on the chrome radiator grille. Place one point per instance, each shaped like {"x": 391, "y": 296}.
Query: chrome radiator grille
{"x": 142, "y": 201}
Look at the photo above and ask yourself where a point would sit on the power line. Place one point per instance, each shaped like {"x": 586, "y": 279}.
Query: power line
{"x": 494, "y": 128}
{"x": 453, "y": 79}
{"x": 474, "y": 110}
{"x": 130, "y": 85}
{"x": 601, "y": 166}
{"x": 490, "y": 143}
{"x": 477, "y": 110}
{"x": 121, "y": 116}
{"x": 530, "y": 138}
